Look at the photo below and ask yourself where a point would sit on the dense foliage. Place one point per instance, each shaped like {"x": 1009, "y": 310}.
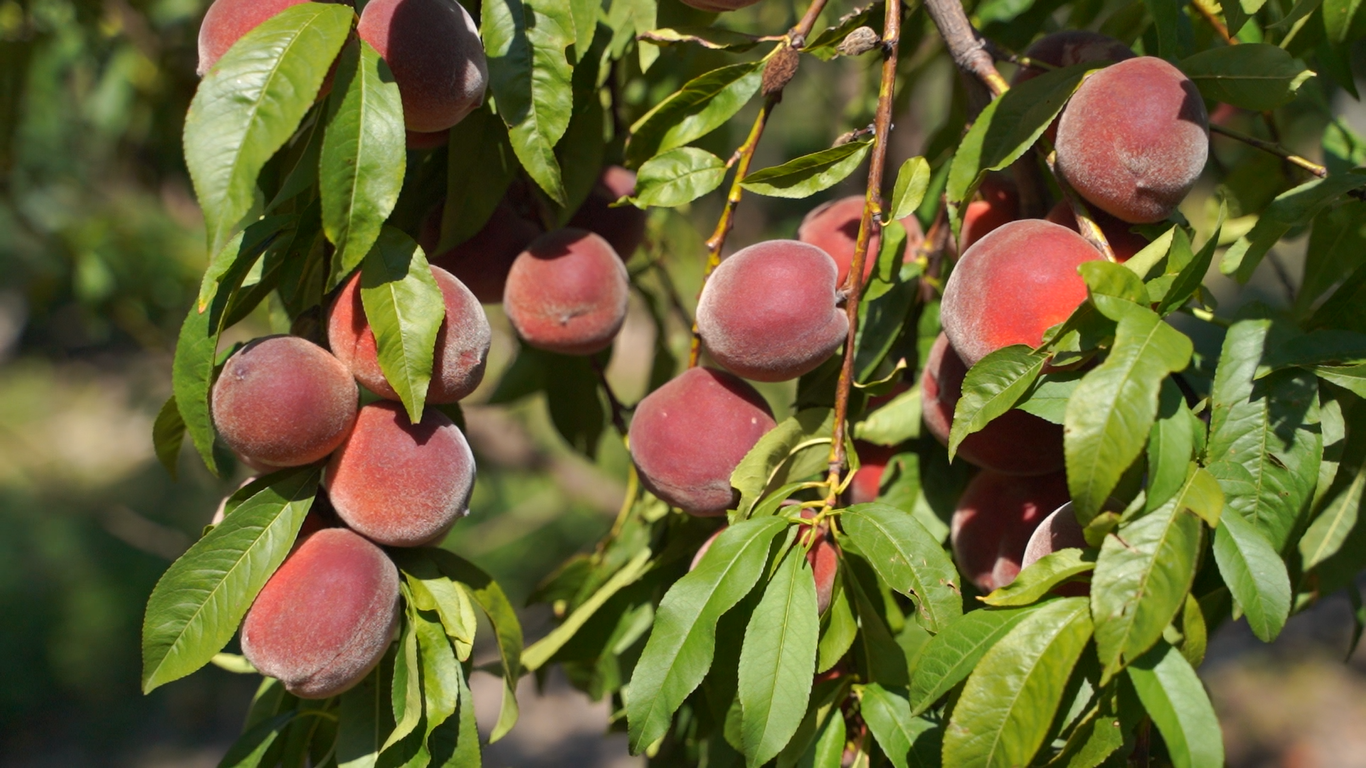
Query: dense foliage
{"x": 1210, "y": 480}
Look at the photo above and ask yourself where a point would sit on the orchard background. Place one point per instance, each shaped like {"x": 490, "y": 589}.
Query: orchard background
{"x": 104, "y": 248}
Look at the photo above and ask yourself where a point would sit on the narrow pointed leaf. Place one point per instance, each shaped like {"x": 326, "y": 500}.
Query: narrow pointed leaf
{"x": 1254, "y": 573}
{"x": 404, "y": 307}
{"x": 949, "y": 657}
{"x": 991, "y": 388}
{"x": 1179, "y": 706}
{"x": 908, "y": 558}
{"x": 806, "y": 175}
{"x": 1036, "y": 581}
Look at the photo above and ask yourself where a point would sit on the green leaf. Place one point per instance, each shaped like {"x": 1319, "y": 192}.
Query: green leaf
{"x": 573, "y": 402}
{"x": 679, "y": 651}
{"x": 1255, "y": 76}
{"x": 1337, "y": 248}
{"x": 1037, "y": 580}
{"x": 1349, "y": 377}
{"x": 991, "y": 388}
{"x": 1179, "y": 706}
{"x": 1166, "y": 16}
{"x": 715, "y": 38}
{"x": 363, "y": 721}
{"x": 912, "y": 181}
{"x": 1338, "y": 16}
{"x": 197, "y": 604}
{"x": 532, "y": 80}
{"x": 829, "y": 748}
{"x": 677, "y": 177}
{"x": 1254, "y": 573}
{"x": 1200, "y": 493}
{"x": 1010, "y": 699}
{"x": 1047, "y": 397}
{"x": 1009, "y": 126}
{"x": 763, "y": 468}
{"x": 1264, "y": 446}
{"x": 1189, "y": 276}
{"x": 806, "y": 175}
{"x": 250, "y": 749}
{"x": 908, "y": 558}
{"x": 406, "y": 688}
{"x": 251, "y": 102}
{"x": 888, "y": 716}
{"x": 541, "y": 651}
{"x": 838, "y": 630}
{"x": 363, "y": 156}
{"x": 1319, "y": 347}
{"x": 1330, "y": 529}
{"x": 1291, "y": 208}
{"x": 477, "y": 176}
{"x": 1142, "y": 576}
{"x": 168, "y": 434}
{"x": 894, "y": 422}
{"x": 701, "y": 106}
{"x": 951, "y": 655}
{"x": 1114, "y": 407}
{"x": 404, "y": 307}
{"x": 778, "y": 660}
{"x": 440, "y": 674}
{"x": 1171, "y": 446}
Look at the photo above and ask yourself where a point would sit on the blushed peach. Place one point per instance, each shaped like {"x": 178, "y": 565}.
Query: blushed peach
{"x": 994, "y": 519}
{"x": 567, "y": 293}
{"x": 833, "y": 227}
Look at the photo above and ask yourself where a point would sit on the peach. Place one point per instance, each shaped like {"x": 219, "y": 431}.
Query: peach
{"x": 1073, "y": 46}
{"x": 462, "y": 341}
{"x": 1134, "y": 138}
{"x": 401, "y": 484}
{"x": 993, "y": 522}
{"x": 771, "y": 311}
{"x": 688, "y": 436}
{"x": 1123, "y": 242}
{"x": 434, "y": 51}
{"x": 567, "y": 293}
{"x": 282, "y": 401}
{"x": 1060, "y": 530}
{"x": 833, "y": 227}
{"x": 623, "y": 227}
{"x": 326, "y": 616}
{"x": 997, "y": 203}
{"x": 1014, "y": 443}
{"x": 430, "y": 140}
{"x": 872, "y": 464}
{"x": 1013, "y": 285}
{"x": 227, "y": 21}
{"x": 482, "y": 262}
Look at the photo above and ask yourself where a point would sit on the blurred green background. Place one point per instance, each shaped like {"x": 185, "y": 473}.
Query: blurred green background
{"x": 101, "y": 247}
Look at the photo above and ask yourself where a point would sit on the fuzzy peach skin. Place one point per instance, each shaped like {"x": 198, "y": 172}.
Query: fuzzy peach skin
{"x": 283, "y": 401}
{"x": 770, "y": 312}
{"x": 689, "y": 435}
{"x": 994, "y": 519}
{"x": 833, "y": 228}
{"x": 567, "y": 293}
{"x": 462, "y": 341}
{"x": 1013, "y": 285}
{"x": 1134, "y": 138}
{"x": 326, "y": 616}
{"x": 401, "y": 484}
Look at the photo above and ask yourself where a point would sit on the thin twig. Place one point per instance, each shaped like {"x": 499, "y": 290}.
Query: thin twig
{"x": 872, "y": 206}
{"x": 1207, "y": 13}
{"x": 1273, "y": 148}
{"x": 1086, "y": 225}
{"x": 795, "y": 39}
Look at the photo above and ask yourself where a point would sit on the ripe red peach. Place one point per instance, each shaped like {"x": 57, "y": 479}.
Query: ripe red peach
{"x": 401, "y": 484}
{"x": 462, "y": 342}
{"x": 1013, "y": 285}
{"x": 993, "y": 522}
{"x": 623, "y": 227}
{"x": 227, "y": 21}
{"x": 434, "y": 51}
{"x": 833, "y": 227}
{"x": 567, "y": 293}
{"x": 282, "y": 401}
{"x": 1123, "y": 242}
{"x": 997, "y": 203}
{"x": 1015, "y": 443}
{"x": 688, "y": 436}
{"x": 326, "y": 616}
{"x": 1060, "y": 530}
{"x": 482, "y": 262}
{"x": 872, "y": 464}
{"x": 1134, "y": 138}
{"x": 771, "y": 311}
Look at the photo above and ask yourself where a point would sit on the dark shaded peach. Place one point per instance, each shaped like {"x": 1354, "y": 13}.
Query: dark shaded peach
{"x": 997, "y": 203}
{"x": 282, "y": 401}
{"x": 771, "y": 311}
{"x": 872, "y": 464}
{"x": 623, "y": 227}
{"x": 567, "y": 293}
{"x": 833, "y": 228}
{"x": 993, "y": 522}
{"x": 1015, "y": 443}
{"x": 401, "y": 484}
{"x": 326, "y": 617}
{"x": 1013, "y": 285}
{"x": 1073, "y": 46}
{"x": 462, "y": 342}
{"x": 424, "y": 141}
{"x": 483, "y": 262}
{"x": 1134, "y": 139}
{"x": 1123, "y": 242}
{"x": 433, "y": 49}
{"x": 688, "y": 436}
